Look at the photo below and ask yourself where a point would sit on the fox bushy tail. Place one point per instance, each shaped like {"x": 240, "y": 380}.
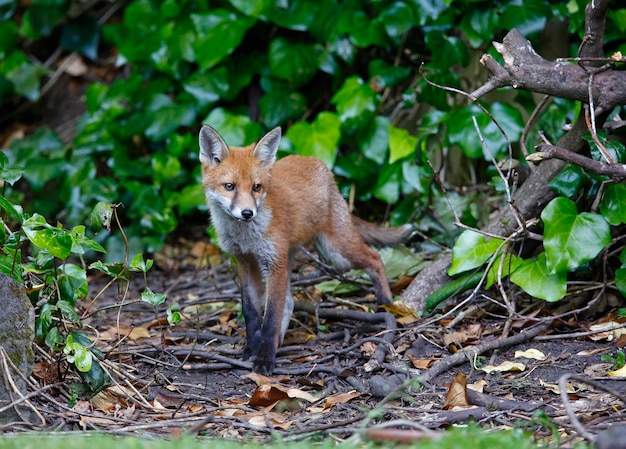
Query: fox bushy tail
{"x": 379, "y": 236}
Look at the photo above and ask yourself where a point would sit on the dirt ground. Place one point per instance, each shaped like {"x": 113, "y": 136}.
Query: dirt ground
{"x": 337, "y": 373}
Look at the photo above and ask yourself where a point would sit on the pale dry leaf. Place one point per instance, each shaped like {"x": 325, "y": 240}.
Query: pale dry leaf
{"x": 503, "y": 367}
{"x": 532, "y": 353}
{"x": 478, "y": 386}
{"x": 618, "y": 373}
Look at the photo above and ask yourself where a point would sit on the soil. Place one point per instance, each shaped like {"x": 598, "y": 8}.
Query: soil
{"x": 332, "y": 376}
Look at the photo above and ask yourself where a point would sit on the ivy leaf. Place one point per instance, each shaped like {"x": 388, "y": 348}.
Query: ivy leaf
{"x": 154, "y": 299}
{"x": 397, "y": 19}
{"x": 534, "y": 277}
{"x": 373, "y": 140}
{"x": 72, "y": 281}
{"x": 319, "y": 138}
{"x": 235, "y": 129}
{"x": 293, "y": 62}
{"x": 569, "y": 180}
{"x": 471, "y": 250}
{"x": 56, "y": 241}
{"x": 510, "y": 263}
{"x": 82, "y": 36}
{"x": 354, "y": 98}
{"x": 23, "y": 74}
{"x": 218, "y": 34}
{"x": 613, "y": 206}
{"x": 278, "y": 106}
{"x": 401, "y": 143}
{"x": 138, "y": 264}
{"x": 620, "y": 280}
{"x": 571, "y": 239}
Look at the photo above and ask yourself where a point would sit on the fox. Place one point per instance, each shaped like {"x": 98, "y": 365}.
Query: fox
{"x": 263, "y": 210}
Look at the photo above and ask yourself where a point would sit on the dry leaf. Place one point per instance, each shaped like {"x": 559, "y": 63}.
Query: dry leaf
{"x": 608, "y": 333}
{"x": 340, "y": 398}
{"x": 458, "y": 338}
{"x": 554, "y": 388}
{"x": 503, "y": 367}
{"x": 273, "y": 420}
{"x": 618, "y": 373}
{"x": 587, "y": 352}
{"x": 368, "y": 348}
{"x": 419, "y": 363}
{"x": 531, "y": 354}
{"x": 267, "y": 395}
{"x": 457, "y": 394}
{"x": 478, "y": 386}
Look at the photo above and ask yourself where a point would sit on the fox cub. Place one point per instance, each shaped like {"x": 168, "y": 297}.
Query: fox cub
{"x": 262, "y": 209}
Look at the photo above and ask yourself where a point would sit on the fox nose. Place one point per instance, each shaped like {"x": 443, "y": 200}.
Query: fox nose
{"x": 247, "y": 214}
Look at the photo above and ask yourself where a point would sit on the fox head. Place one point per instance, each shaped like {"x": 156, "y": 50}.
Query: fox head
{"x": 236, "y": 179}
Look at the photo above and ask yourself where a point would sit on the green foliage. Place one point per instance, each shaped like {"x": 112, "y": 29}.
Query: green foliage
{"x": 330, "y": 73}
{"x": 56, "y": 285}
{"x": 618, "y": 361}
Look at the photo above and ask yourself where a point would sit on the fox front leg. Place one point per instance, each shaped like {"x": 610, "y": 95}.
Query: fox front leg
{"x": 273, "y": 319}
{"x": 251, "y": 294}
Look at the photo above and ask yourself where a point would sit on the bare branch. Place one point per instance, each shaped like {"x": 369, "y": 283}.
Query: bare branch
{"x": 617, "y": 172}
{"x": 525, "y": 69}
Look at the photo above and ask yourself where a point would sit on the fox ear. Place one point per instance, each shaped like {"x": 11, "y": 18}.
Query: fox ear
{"x": 213, "y": 149}
{"x": 266, "y": 148}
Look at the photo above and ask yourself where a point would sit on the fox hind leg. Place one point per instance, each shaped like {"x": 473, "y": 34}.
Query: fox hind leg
{"x": 351, "y": 251}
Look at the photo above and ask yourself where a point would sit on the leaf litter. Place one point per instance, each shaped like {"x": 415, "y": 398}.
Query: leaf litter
{"x": 334, "y": 370}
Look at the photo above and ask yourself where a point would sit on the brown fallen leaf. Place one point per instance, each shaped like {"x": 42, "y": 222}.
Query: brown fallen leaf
{"x": 340, "y": 398}
{"x": 457, "y": 394}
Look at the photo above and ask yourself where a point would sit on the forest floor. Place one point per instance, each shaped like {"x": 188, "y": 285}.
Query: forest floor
{"x": 336, "y": 374}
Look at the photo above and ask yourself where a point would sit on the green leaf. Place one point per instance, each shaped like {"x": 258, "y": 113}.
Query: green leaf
{"x": 397, "y": 19}
{"x": 534, "y": 277}
{"x": 401, "y": 144}
{"x": 510, "y": 263}
{"x": 389, "y": 182}
{"x": 471, "y": 250}
{"x": 54, "y": 340}
{"x": 279, "y": 107}
{"x": 218, "y": 34}
{"x": 138, "y": 264}
{"x": 82, "y": 36}
{"x": 154, "y": 299}
{"x": 293, "y": 62}
{"x": 77, "y": 354}
{"x": 620, "y": 280}
{"x": 173, "y": 315}
{"x": 72, "y": 281}
{"x": 23, "y": 74}
{"x": 236, "y": 130}
{"x": 319, "y": 138}
{"x": 81, "y": 243}
{"x": 354, "y": 98}
{"x": 613, "y": 204}
{"x": 293, "y": 14}
{"x": 116, "y": 270}
{"x": 571, "y": 239}
{"x": 569, "y": 180}
{"x": 56, "y": 241}
{"x": 384, "y": 75}
{"x": 67, "y": 311}
{"x": 252, "y": 8}
{"x": 14, "y": 212}
{"x": 373, "y": 141}
{"x": 8, "y": 38}
{"x": 101, "y": 216}
{"x": 401, "y": 261}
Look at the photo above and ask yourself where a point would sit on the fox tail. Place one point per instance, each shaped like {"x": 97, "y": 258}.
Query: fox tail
{"x": 379, "y": 236}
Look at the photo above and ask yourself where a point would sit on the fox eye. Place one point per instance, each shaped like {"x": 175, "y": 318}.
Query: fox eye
{"x": 257, "y": 188}
{"x": 229, "y": 186}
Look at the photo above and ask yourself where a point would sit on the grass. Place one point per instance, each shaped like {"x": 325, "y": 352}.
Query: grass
{"x": 459, "y": 438}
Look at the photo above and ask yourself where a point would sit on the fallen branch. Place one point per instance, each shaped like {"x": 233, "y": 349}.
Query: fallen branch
{"x": 470, "y": 353}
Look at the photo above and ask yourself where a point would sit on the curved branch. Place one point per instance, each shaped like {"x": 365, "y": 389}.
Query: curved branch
{"x": 525, "y": 69}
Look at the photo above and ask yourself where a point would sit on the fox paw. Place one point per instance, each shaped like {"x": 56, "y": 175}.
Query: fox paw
{"x": 265, "y": 361}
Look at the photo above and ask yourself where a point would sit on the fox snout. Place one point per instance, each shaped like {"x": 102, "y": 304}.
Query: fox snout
{"x": 247, "y": 214}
